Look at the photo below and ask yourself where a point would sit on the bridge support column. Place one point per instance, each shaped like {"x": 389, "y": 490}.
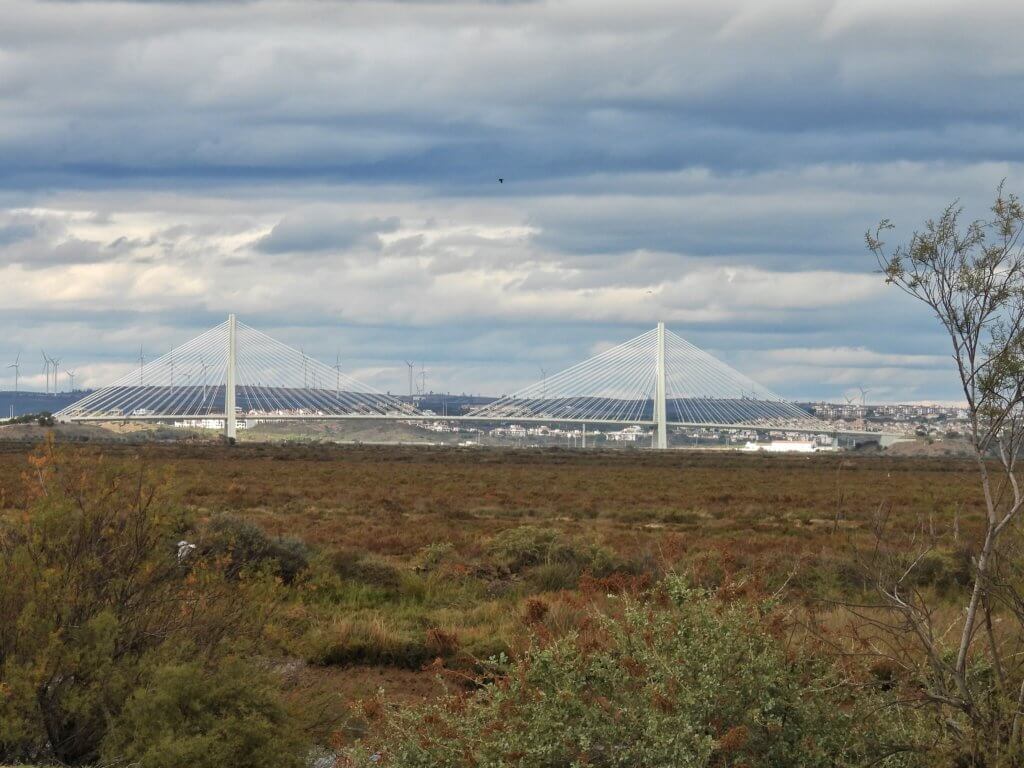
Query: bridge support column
{"x": 229, "y": 385}
{"x": 659, "y": 403}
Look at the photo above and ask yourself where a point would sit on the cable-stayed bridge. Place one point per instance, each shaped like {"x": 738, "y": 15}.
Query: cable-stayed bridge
{"x": 234, "y": 371}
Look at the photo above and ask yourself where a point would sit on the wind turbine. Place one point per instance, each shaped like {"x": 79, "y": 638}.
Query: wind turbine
{"x": 46, "y": 370}
{"x": 205, "y": 366}
{"x": 71, "y": 375}
{"x": 863, "y": 396}
{"x": 411, "y": 366}
{"x": 16, "y": 365}
{"x": 56, "y": 370}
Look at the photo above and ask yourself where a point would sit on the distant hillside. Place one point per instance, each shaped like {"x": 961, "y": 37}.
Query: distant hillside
{"x": 33, "y": 433}
{"x": 37, "y": 402}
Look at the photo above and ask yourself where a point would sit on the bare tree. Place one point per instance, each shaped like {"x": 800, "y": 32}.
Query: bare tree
{"x": 971, "y": 275}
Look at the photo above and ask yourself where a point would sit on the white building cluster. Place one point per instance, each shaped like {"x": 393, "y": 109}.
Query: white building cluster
{"x": 216, "y": 424}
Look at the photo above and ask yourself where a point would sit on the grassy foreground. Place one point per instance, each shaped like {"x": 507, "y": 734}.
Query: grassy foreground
{"x": 405, "y": 573}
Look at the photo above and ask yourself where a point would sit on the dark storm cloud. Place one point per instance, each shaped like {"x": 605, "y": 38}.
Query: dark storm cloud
{"x": 193, "y": 94}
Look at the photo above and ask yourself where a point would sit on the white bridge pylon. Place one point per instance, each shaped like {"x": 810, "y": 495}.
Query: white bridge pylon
{"x": 656, "y": 378}
{"x": 234, "y": 368}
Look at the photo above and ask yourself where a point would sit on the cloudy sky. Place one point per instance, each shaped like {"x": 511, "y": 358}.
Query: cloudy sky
{"x": 328, "y": 169}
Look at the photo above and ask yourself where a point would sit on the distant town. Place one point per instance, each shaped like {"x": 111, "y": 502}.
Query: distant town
{"x": 911, "y": 420}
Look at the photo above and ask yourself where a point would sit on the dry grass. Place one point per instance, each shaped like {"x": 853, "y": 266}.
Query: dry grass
{"x": 406, "y": 567}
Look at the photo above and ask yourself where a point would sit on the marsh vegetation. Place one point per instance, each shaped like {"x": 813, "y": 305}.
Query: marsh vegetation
{"x": 348, "y": 601}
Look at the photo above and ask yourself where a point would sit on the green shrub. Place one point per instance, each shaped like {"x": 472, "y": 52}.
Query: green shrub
{"x": 708, "y": 569}
{"x": 415, "y": 588}
{"x": 245, "y": 545}
{"x": 361, "y": 642}
{"x": 682, "y": 516}
{"x": 486, "y": 647}
{"x": 827, "y": 573}
{"x": 521, "y": 547}
{"x": 518, "y": 549}
{"x": 323, "y": 586}
{"x": 352, "y": 565}
{"x": 552, "y": 577}
{"x": 689, "y": 683}
{"x": 43, "y": 419}
{"x": 92, "y": 590}
{"x": 187, "y": 716}
{"x": 943, "y": 569}
{"x": 849, "y": 575}
{"x": 435, "y": 554}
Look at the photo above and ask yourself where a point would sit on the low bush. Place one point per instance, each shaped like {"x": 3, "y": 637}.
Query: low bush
{"x": 353, "y": 565}
{"x": 43, "y": 419}
{"x": 185, "y": 715}
{"x": 435, "y": 554}
{"x": 849, "y": 576}
{"x": 688, "y": 517}
{"x": 552, "y": 577}
{"x": 945, "y": 570}
{"x": 691, "y": 682}
{"x": 325, "y": 588}
{"x": 93, "y": 591}
{"x": 368, "y": 642}
{"x": 243, "y": 544}
{"x": 523, "y": 547}
{"x": 441, "y": 642}
{"x": 710, "y": 568}
{"x": 534, "y": 610}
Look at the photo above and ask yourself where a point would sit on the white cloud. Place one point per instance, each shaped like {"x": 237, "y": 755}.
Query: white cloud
{"x": 330, "y": 168}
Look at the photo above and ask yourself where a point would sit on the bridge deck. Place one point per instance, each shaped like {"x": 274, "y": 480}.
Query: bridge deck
{"x": 807, "y": 429}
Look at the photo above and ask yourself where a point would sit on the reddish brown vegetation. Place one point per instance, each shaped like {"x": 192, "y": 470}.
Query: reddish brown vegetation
{"x": 403, "y": 571}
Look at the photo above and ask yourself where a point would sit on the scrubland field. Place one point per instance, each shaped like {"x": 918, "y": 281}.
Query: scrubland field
{"x": 402, "y": 574}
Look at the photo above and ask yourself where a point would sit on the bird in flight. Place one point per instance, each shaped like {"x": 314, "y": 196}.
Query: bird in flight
{"x": 501, "y": 181}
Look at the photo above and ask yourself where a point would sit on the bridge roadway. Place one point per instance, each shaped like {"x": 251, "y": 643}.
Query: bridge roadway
{"x": 883, "y": 437}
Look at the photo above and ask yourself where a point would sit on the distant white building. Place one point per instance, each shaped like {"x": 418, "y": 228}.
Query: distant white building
{"x": 627, "y": 435}
{"x": 207, "y": 424}
{"x": 783, "y": 446}
{"x": 436, "y": 426}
